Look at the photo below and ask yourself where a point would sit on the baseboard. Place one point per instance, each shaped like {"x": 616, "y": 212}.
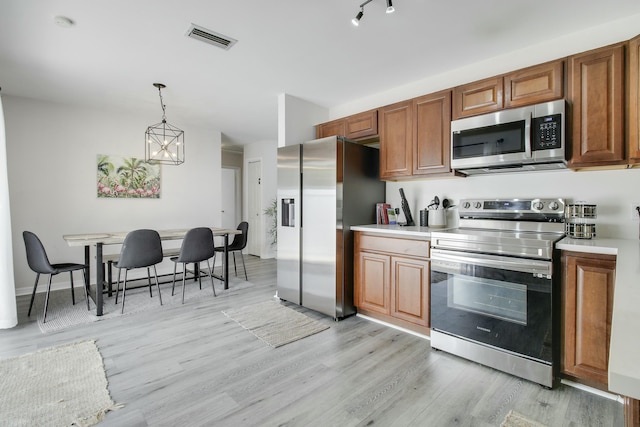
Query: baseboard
{"x": 400, "y": 328}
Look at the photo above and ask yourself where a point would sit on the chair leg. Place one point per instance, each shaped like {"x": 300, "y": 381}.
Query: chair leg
{"x": 118, "y": 284}
{"x": 196, "y": 268}
{"x": 46, "y": 300}
{"x": 73, "y": 296}
{"x": 211, "y": 277}
{"x": 33, "y": 294}
{"x": 84, "y": 285}
{"x": 155, "y": 273}
{"x": 243, "y": 266}
{"x": 173, "y": 287}
{"x": 110, "y": 278}
{"x": 184, "y": 279}
{"x": 235, "y": 269}
{"x": 124, "y": 289}
{"x": 149, "y": 278}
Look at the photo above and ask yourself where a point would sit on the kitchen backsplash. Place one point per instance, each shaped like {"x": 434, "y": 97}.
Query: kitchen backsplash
{"x": 613, "y": 191}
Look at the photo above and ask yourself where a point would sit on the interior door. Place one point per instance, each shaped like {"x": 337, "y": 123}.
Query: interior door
{"x": 254, "y": 208}
{"x": 230, "y": 198}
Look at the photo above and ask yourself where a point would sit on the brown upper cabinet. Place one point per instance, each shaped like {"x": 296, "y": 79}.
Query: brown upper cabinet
{"x": 484, "y": 96}
{"x": 633, "y": 108}
{"x": 396, "y": 140}
{"x": 596, "y": 86}
{"x": 431, "y": 134}
{"x": 540, "y": 83}
{"x": 359, "y": 126}
{"x": 532, "y": 85}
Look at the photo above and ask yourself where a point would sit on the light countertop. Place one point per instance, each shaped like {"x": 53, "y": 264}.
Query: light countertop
{"x": 624, "y": 350}
{"x": 400, "y": 230}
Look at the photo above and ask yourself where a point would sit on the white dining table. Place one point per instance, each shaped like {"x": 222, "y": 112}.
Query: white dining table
{"x": 99, "y": 240}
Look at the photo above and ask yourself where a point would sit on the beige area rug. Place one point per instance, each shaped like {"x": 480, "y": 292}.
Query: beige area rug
{"x": 274, "y": 323}
{"x": 58, "y": 386}
{"x": 516, "y": 419}
{"x": 61, "y": 314}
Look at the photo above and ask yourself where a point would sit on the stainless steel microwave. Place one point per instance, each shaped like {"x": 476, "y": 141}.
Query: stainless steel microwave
{"x": 518, "y": 139}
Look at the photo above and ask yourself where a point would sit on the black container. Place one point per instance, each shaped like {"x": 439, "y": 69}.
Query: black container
{"x": 424, "y": 218}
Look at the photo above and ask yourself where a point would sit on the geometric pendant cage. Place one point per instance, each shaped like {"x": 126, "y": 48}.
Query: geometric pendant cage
{"x": 164, "y": 143}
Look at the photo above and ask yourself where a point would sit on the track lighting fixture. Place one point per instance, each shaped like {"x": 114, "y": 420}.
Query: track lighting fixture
{"x": 356, "y": 21}
{"x": 390, "y": 8}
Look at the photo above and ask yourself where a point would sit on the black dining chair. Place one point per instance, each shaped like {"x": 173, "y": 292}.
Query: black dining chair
{"x": 197, "y": 246}
{"x": 237, "y": 245}
{"x": 39, "y": 263}
{"x": 140, "y": 249}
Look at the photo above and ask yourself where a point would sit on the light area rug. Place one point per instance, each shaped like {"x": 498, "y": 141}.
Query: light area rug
{"x": 57, "y": 386}
{"x": 516, "y": 419}
{"x": 62, "y": 314}
{"x": 274, "y": 323}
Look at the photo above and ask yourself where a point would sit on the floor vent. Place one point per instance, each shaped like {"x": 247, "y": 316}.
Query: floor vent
{"x": 211, "y": 37}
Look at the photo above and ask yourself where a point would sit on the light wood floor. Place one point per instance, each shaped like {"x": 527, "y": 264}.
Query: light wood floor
{"x": 191, "y": 366}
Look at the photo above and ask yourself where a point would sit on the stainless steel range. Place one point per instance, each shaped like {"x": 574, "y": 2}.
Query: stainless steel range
{"x": 495, "y": 286}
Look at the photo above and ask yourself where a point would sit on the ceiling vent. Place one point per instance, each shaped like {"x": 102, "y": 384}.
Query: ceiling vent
{"x": 211, "y": 37}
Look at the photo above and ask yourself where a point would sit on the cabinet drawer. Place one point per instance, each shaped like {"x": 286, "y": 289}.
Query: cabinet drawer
{"x": 393, "y": 245}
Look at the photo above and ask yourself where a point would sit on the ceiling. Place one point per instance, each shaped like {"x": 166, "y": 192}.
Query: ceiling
{"x": 117, "y": 49}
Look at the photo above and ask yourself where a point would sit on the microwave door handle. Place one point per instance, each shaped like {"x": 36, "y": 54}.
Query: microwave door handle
{"x": 527, "y": 135}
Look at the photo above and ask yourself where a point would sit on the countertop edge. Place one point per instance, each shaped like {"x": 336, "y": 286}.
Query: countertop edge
{"x": 398, "y": 230}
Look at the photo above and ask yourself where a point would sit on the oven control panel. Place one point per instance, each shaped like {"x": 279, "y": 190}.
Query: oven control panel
{"x": 515, "y": 209}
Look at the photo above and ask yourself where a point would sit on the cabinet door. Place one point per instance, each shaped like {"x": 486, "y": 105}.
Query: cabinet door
{"x": 372, "y": 282}
{"x": 633, "y": 140}
{"x": 596, "y": 93}
{"x": 396, "y": 140}
{"x": 410, "y": 290}
{"x": 477, "y": 98}
{"x": 432, "y": 134}
{"x": 587, "y": 302}
{"x": 333, "y": 128}
{"x": 533, "y": 85}
{"x": 363, "y": 125}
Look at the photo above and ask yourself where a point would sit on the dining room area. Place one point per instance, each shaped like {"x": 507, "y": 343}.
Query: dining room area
{"x": 57, "y": 180}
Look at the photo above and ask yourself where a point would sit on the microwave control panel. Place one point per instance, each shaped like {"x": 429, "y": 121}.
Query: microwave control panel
{"x": 546, "y": 133}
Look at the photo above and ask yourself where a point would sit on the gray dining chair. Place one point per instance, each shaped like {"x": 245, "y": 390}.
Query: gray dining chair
{"x": 39, "y": 263}
{"x": 237, "y": 245}
{"x": 140, "y": 249}
{"x": 197, "y": 246}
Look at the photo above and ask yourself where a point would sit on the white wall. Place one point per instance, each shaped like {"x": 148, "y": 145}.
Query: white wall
{"x": 267, "y": 153}
{"x": 613, "y": 191}
{"x": 51, "y": 151}
{"x": 297, "y": 118}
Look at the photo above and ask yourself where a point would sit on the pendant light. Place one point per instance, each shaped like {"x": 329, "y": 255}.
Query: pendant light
{"x": 164, "y": 143}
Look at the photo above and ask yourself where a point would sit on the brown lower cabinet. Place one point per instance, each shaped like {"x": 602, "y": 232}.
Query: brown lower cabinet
{"x": 392, "y": 279}
{"x": 587, "y": 305}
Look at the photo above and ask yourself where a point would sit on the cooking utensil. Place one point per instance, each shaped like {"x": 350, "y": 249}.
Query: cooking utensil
{"x": 445, "y": 203}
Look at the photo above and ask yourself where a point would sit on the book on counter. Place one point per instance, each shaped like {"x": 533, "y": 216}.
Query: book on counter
{"x": 382, "y": 213}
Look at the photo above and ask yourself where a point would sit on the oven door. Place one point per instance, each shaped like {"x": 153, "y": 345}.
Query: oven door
{"x": 504, "y": 302}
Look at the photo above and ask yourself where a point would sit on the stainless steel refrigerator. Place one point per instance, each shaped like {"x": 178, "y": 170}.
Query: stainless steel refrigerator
{"x": 324, "y": 187}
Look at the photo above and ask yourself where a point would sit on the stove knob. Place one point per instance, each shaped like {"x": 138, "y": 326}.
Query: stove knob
{"x": 466, "y": 205}
{"x": 477, "y": 205}
{"x": 554, "y": 206}
{"x": 538, "y": 206}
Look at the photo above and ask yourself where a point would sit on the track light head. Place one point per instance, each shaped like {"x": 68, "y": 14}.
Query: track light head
{"x": 390, "y": 8}
{"x": 356, "y": 21}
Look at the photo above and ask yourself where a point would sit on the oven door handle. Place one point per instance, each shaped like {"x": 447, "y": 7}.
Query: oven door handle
{"x": 445, "y": 259}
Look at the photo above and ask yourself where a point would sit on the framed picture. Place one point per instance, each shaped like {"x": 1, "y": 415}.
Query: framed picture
{"x": 127, "y": 177}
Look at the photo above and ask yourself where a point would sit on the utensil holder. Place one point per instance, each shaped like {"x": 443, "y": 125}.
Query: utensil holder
{"x": 437, "y": 218}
